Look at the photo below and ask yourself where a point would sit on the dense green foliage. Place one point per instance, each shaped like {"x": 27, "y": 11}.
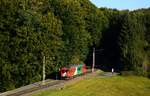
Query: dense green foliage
{"x": 64, "y": 32}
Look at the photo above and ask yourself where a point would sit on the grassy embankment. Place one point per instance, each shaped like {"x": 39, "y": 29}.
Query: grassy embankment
{"x": 111, "y": 86}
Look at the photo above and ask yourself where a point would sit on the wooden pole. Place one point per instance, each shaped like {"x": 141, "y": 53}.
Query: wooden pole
{"x": 93, "y": 65}
{"x": 43, "y": 82}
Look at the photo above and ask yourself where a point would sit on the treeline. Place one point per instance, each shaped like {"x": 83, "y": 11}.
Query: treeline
{"x": 126, "y": 41}
{"x": 63, "y": 32}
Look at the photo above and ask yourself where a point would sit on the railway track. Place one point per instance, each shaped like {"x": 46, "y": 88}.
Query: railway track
{"x": 36, "y": 88}
{"x": 40, "y": 86}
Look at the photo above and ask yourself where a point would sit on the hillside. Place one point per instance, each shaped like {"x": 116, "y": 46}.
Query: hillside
{"x": 111, "y": 86}
{"x": 38, "y": 37}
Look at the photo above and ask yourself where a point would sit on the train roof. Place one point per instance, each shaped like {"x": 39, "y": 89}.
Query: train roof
{"x": 73, "y": 65}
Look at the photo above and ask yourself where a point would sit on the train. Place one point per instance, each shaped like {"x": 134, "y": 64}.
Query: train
{"x": 73, "y": 70}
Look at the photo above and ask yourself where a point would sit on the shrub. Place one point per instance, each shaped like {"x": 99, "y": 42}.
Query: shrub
{"x": 127, "y": 73}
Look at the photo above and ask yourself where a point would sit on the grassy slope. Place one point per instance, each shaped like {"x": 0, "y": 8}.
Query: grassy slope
{"x": 112, "y": 86}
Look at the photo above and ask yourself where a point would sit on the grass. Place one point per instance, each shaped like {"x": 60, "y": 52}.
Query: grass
{"x": 111, "y": 86}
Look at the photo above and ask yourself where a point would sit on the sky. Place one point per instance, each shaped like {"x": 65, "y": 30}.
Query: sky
{"x": 122, "y": 4}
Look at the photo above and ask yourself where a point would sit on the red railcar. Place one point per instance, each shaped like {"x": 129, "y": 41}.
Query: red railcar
{"x": 73, "y": 70}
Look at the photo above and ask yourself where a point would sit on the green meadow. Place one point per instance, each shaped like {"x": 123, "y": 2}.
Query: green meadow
{"x": 109, "y": 86}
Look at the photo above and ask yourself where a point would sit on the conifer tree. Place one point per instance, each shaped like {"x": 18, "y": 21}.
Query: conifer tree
{"x": 132, "y": 43}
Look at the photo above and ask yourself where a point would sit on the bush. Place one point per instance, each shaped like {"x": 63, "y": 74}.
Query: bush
{"x": 137, "y": 72}
{"x": 127, "y": 73}
{"x": 140, "y": 72}
{"x": 148, "y": 74}
{"x": 99, "y": 71}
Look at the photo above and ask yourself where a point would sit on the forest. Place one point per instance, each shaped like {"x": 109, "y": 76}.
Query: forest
{"x": 64, "y": 32}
